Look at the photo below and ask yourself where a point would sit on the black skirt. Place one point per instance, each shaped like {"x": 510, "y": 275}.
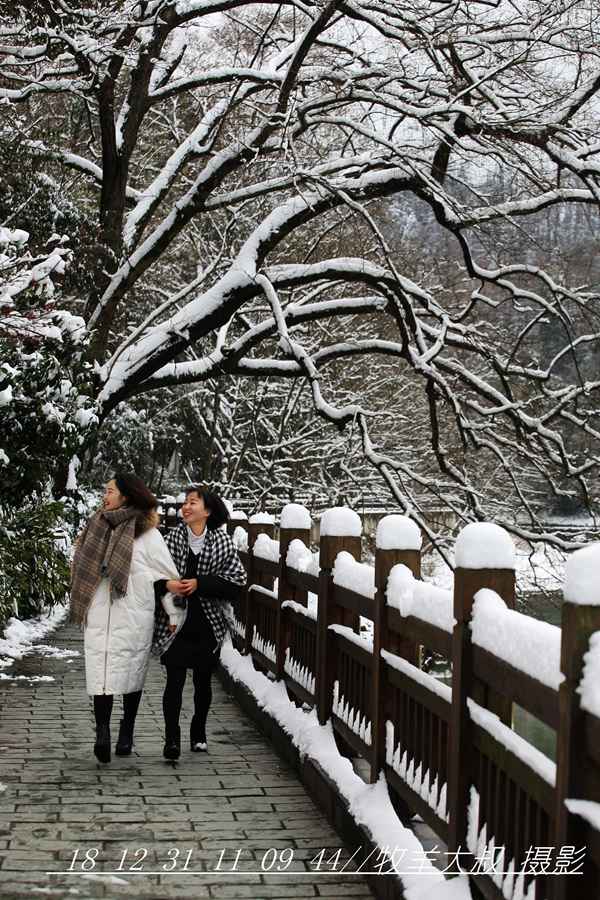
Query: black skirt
{"x": 184, "y": 653}
{"x": 195, "y": 647}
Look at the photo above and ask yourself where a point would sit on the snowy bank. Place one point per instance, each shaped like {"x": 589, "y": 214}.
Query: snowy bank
{"x": 21, "y": 635}
{"x": 369, "y": 804}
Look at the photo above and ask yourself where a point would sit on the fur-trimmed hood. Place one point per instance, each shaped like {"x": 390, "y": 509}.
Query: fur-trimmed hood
{"x": 145, "y": 520}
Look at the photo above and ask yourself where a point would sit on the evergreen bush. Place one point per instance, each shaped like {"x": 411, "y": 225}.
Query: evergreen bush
{"x": 34, "y": 564}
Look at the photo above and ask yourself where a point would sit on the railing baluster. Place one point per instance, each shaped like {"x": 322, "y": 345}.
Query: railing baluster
{"x": 260, "y": 523}
{"x": 331, "y": 543}
{"x": 295, "y": 524}
{"x": 576, "y": 776}
{"x": 472, "y": 547}
{"x": 398, "y": 542}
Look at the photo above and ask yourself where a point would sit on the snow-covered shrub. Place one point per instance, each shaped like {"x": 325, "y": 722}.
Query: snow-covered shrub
{"x": 45, "y": 412}
{"x": 137, "y": 437}
{"x": 34, "y": 566}
{"x": 46, "y": 415}
{"x": 45, "y": 208}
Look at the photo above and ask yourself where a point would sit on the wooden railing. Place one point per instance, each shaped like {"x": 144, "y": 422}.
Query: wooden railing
{"x": 448, "y": 751}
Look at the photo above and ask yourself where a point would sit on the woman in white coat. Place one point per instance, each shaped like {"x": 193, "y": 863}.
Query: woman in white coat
{"x": 118, "y": 557}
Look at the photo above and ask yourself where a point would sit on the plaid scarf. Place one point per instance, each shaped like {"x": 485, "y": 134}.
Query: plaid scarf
{"x": 103, "y": 550}
{"x": 217, "y": 557}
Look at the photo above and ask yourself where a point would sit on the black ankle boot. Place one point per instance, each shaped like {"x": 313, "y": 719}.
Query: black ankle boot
{"x": 172, "y": 747}
{"x": 102, "y": 745}
{"x": 125, "y": 740}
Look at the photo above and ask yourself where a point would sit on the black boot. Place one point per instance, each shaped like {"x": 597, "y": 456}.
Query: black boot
{"x": 172, "y": 747}
{"x": 125, "y": 740}
{"x": 102, "y": 745}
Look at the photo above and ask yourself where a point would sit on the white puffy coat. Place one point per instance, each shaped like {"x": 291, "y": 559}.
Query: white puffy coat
{"x": 118, "y": 635}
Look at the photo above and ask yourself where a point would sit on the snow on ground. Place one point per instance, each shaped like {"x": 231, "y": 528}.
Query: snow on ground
{"x": 106, "y": 877}
{"x": 21, "y": 637}
{"x": 369, "y": 804}
{"x": 5, "y": 677}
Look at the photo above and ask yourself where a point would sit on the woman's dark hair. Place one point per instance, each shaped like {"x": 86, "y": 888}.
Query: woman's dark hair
{"x": 219, "y": 514}
{"x": 138, "y": 495}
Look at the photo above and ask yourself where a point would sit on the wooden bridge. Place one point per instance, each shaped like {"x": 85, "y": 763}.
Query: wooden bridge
{"x": 448, "y": 754}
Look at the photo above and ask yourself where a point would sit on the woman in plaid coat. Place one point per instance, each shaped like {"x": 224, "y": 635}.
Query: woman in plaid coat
{"x": 190, "y": 628}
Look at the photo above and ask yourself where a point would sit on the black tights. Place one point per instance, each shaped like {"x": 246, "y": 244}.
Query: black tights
{"x": 173, "y": 694}
{"x": 103, "y": 704}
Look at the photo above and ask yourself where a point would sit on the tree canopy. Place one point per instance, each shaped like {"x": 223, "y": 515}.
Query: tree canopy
{"x": 237, "y": 161}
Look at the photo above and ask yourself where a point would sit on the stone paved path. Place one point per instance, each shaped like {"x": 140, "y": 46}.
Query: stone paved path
{"x": 58, "y": 800}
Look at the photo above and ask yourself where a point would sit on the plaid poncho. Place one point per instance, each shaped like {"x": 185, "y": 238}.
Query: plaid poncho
{"x": 217, "y": 557}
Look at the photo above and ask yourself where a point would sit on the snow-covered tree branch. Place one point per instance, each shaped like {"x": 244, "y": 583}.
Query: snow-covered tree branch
{"x": 257, "y": 173}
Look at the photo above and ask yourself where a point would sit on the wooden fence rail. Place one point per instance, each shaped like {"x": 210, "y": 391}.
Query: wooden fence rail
{"x": 448, "y": 752}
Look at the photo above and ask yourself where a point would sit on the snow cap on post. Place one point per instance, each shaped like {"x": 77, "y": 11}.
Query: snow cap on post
{"x": 398, "y": 542}
{"x": 340, "y": 529}
{"x": 294, "y": 515}
{"x": 582, "y": 576}
{"x": 339, "y": 521}
{"x": 237, "y": 519}
{"x": 260, "y": 523}
{"x": 484, "y": 545}
{"x": 398, "y": 533}
{"x": 294, "y": 529}
{"x": 262, "y": 518}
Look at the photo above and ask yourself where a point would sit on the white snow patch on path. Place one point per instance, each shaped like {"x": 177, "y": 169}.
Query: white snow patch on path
{"x": 20, "y": 635}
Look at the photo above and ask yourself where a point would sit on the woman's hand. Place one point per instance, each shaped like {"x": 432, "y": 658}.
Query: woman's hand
{"x": 188, "y": 586}
{"x": 172, "y": 628}
{"x": 175, "y": 586}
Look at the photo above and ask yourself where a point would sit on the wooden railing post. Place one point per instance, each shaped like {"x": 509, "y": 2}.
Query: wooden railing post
{"x": 294, "y": 524}
{"x": 484, "y": 559}
{"x": 340, "y": 530}
{"x": 398, "y": 541}
{"x": 259, "y": 523}
{"x": 576, "y": 776}
{"x": 238, "y": 519}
